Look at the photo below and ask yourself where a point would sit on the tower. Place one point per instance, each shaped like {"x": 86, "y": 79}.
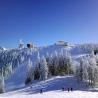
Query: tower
{"x": 21, "y": 45}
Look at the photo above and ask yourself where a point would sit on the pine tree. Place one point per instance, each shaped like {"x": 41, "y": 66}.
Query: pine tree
{"x": 81, "y": 69}
{"x": 30, "y": 72}
{"x": 92, "y": 62}
{"x": 38, "y": 59}
{"x": 56, "y": 63}
{"x": 68, "y": 62}
{"x": 88, "y": 70}
{"x": 51, "y": 65}
{"x": 95, "y": 75}
{"x": 2, "y": 84}
{"x": 43, "y": 69}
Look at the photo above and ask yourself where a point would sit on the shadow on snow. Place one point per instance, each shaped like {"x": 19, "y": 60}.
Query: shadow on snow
{"x": 57, "y": 83}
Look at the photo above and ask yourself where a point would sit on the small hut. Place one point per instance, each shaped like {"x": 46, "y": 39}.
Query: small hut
{"x": 95, "y": 52}
{"x": 30, "y": 46}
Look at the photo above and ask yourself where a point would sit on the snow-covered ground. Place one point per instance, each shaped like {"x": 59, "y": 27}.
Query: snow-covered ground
{"x": 55, "y": 94}
{"x": 52, "y": 88}
{"x": 16, "y": 80}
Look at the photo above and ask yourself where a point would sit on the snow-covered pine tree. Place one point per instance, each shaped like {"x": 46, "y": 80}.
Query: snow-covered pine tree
{"x": 81, "y": 70}
{"x": 92, "y": 54}
{"x": 68, "y": 62}
{"x": 95, "y": 76}
{"x": 30, "y": 72}
{"x": 43, "y": 69}
{"x": 51, "y": 60}
{"x": 7, "y": 70}
{"x": 2, "y": 84}
{"x": 56, "y": 63}
{"x": 50, "y": 64}
{"x": 92, "y": 70}
{"x": 77, "y": 73}
{"x": 38, "y": 59}
{"x": 47, "y": 58}
{"x": 37, "y": 67}
{"x": 85, "y": 71}
{"x": 88, "y": 70}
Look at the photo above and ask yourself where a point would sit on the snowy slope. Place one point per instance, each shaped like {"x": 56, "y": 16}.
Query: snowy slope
{"x": 17, "y": 79}
{"x": 55, "y": 94}
{"x": 52, "y": 88}
{"x": 52, "y": 48}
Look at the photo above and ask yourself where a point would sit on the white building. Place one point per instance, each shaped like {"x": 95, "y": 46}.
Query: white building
{"x": 61, "y": 43}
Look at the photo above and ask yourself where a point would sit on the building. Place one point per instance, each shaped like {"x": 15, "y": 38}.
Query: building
{"x": 61, "y": 43}
{"x": 30, "y": 45}
{"x": 95, "y": 52}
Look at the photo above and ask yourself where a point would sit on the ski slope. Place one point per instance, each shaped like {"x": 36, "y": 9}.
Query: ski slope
{"x": 52, "y": 88}
{"x": 17, "y": 79}
{"x": 55, "y": 94}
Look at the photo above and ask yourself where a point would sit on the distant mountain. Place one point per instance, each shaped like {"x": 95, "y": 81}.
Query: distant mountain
{"x": 2, "y": 49}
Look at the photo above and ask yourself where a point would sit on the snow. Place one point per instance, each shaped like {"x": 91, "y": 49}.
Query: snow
{"x": 17, "y": 79}
{"x": 56, "y": 94}
{"x": 52, "y": 89}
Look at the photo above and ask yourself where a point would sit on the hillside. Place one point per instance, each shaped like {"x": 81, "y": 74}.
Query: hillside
{"x": 15, "y": 61}
{"x": 53, "y": 88}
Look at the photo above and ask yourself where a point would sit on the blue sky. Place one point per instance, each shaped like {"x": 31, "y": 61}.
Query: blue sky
{"x": 47, "y": 21}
